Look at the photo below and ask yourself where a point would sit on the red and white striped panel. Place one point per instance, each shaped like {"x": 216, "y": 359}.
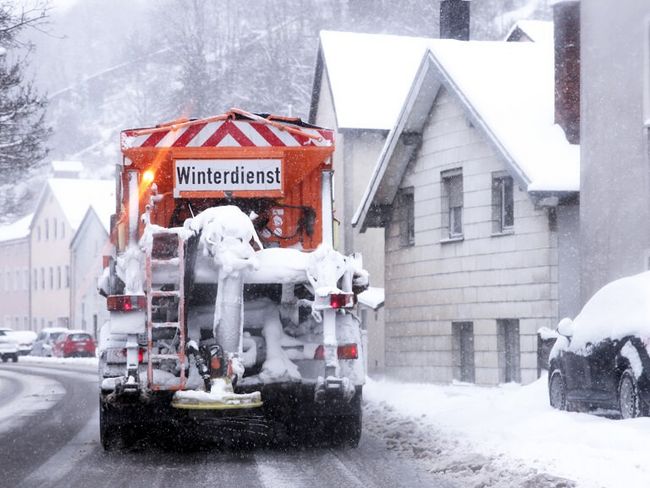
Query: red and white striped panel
{"x": 227, "y": 133}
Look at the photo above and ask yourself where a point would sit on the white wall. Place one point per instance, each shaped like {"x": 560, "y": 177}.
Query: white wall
{"x": 50, "y": 251}
{"x": 90, "y": 244}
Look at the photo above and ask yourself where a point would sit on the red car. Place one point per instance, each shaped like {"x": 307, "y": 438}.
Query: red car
{"x": 74, "y": 343}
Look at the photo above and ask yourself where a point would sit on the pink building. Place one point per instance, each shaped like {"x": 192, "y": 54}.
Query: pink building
{"x": 14, "y": 274}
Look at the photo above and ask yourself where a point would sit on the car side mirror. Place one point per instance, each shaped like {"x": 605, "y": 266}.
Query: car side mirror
{"x": 565, "y": 327}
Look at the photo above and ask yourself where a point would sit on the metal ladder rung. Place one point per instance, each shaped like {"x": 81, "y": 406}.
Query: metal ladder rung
{"x": 178, "y": 261}
{"x": 165, "y": 325}
{"x": 169, "y": 293}
{"x": 165, "y": 356}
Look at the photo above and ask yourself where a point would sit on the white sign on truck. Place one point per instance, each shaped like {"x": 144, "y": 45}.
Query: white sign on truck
{"x": 205, "y": 175}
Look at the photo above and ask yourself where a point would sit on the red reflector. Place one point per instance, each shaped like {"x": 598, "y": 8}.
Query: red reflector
{"x": 125, "y": 303}
{"x": 140, "y": 354}
{"x": 348, "y": 351}
{"x": 340, "y": 300}
{"x": 345, "y": 351}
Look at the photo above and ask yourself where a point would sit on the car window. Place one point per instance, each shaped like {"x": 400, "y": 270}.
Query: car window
{"x": 2, "y": 333}
{"x": 79, "y": 337}
{"x": 55, "y": 336}
{"x": 41, "y": 336}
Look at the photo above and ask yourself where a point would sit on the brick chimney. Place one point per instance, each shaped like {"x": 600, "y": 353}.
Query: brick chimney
{"x": 566, "y": 17}
{"x": 454, "y": 19}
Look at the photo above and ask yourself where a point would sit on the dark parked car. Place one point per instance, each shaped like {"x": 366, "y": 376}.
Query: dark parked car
{"x": 600, "y": 360}
{"x": 74, "y": 343}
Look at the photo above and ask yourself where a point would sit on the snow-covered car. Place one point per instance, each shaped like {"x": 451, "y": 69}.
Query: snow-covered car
{"x": 8, "y": 347}
{"x": 25, "y": 340}
{"x": 601, "y": 359}
{"x": 43, "y": 344}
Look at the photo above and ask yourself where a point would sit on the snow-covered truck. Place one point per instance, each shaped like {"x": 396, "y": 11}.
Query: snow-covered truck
{"x": 226, "y": 297}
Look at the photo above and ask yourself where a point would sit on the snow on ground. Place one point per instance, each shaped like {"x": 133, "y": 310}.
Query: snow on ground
{"x": 44, "y": 360}
{"x": 506, "y": 436}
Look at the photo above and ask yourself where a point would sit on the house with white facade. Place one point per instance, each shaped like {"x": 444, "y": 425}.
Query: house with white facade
{"x": 14, "y": 274}
{"x": 89, "y": 244}
{"x": 60, "y": 210}
{"x": 476, "y": 189}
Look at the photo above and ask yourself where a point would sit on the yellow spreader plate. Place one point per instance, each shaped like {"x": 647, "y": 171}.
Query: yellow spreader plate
{"x": 215, "y": 406}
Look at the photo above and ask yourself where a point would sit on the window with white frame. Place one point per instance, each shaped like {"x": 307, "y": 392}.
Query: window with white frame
{"x": 452, "y": 203}
{"x": 503, "y": 205}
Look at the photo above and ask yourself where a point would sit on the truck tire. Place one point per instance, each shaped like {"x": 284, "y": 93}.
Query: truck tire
{"x": 112, "y": 432}
{"x": 4, "y": 358}
{"x": 14, "y": 358}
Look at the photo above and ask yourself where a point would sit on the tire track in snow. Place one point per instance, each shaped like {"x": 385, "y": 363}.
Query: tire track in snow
{"x": 68, "y": 409}
{"x": 69, "y": 457}
{"x": 35, "y": 394}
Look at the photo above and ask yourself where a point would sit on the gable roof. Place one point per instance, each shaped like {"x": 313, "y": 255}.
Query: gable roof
{"x": 507, "y": 91}
{"x": 531, "y": 30}
{"x": 76, "y": 195}
{"x": 369, "y": 76}
{"x": 92, "y": 213}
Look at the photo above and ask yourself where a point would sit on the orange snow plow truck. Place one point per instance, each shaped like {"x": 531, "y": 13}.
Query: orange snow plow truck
{"x": 228, "y": 305}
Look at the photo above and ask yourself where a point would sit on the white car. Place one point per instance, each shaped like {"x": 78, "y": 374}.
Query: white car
{"x": 24, "y": 338}
{"x": 43, "y": 344}
{"x": 8, "y": 347}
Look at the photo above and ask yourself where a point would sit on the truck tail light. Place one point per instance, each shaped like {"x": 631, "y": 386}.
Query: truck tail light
{"x": 344, "y": 351}
{"x": 341, "y": 300}
{"x": 126, "y": 303}
{"x": 140, "y": 355}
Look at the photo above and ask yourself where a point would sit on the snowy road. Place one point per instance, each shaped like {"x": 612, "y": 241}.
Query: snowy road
{"x": 49, "y": 438}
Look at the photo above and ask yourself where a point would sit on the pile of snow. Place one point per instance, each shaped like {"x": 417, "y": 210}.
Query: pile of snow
{"x": 506, "y": 436}
{"x": 620, "y": 308}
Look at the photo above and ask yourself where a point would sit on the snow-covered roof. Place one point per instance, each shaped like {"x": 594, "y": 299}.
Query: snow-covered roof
{"x": 535, "y": 30}
{"x": 76, "y": 195}
{"x": 17, "y": 230}
{"x": 370, "y": 76}
{"x": 512, "y": 87}
{"x": 507, "y": 90}
{"x": 373, "y": 297}
{"x": 104, "y": 209}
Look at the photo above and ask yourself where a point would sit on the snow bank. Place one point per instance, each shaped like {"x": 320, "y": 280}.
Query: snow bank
{"x": 512, "y": 428}
{"x": 69, "y": 361}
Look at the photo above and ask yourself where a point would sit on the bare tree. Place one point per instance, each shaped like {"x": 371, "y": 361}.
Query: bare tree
{"x": 22, "y": 129}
